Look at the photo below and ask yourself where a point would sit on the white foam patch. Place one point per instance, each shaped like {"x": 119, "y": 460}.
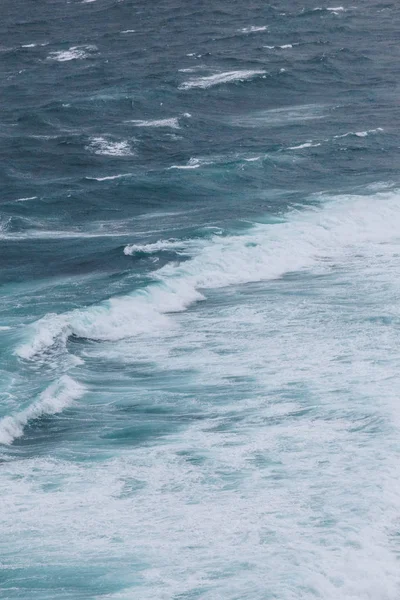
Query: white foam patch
{"x": 155, "y": 247}
{"x": 28, "y": 45}
{"x": 110, "y": 177}
{"x": 74, "y": 53}
{"x": 220, "y": 78}
{"x": 128, "y": 31}
{"x": 360, "y": 134}
{"x": 283, "y": 47}
{"x": 107, "y": 147}
{"x": 53, "y": 400}
{"x": 305, "y": 145}
{"x": 172, "y": 122}
{"x": 253, "y": 29}
{"x": 311, "y": 239}
{"x": 280, "y": 116}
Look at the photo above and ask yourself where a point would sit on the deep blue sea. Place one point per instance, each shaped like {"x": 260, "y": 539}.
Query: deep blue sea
{"x": 200, "y": 318}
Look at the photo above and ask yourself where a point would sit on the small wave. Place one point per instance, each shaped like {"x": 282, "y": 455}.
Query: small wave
{"x": 110, "y": 177}
{"x": 26, "y": 199}
{"x": 4, "y": 328}
{"x": 74, "y": 53}
{"x": 360, "y": 134}
{"x": 28, "y": 45}
{"x": 336, "y": 9}
{"x": 53, "y": 400}
{"x": 172, "y": 122}
{"x": 253, "y": 29}
{"x": 305, "y": 145}
{"x": 283, "y": 47}
{"x": 279, "y": 116}
{"x": 219, "y": 78}
{"x": 194, "y": 163}
{"x": 155, "y": 247}
{"x": 128, "y": 31}
{"x": 104, "y": 147}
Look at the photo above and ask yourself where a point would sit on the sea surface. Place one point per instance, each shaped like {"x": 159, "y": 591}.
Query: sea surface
{"x": 200, "y": 300}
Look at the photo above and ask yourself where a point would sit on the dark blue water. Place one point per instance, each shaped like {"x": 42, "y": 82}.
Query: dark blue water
{"x": 199, "y": 257}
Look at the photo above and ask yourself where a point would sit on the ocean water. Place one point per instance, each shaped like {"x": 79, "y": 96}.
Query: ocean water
{"x": 200, "y": 320}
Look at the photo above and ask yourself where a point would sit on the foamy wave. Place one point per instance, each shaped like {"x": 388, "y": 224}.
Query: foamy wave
{"x": 360, "y": 134}
{"x": 308, "y": 239}
{"x": 53, "y": 400}
{"x": 305, "y": 145}
{"x": 102, "y": 146}
{"x": 283, "y": 47}
{"x": 219, "y": 78}
{"x": 173, "y": 122}
{"x": 26, "y": 199}
{"x": 110, "y": 177}
{"x": 74, "y": 53}
{"x": 279, "y": 116}
{"x": 156, "y": 247}
{"x": 253, "y": 29}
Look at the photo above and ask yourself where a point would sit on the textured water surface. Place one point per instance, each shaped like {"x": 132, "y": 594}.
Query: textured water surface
{"x": 200, "y": 322}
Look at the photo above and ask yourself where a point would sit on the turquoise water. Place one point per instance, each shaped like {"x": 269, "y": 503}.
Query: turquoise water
{"x": 199, "y": 250}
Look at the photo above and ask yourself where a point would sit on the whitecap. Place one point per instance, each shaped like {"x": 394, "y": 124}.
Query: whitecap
{"x": 360, "y": 134}
{"x": 283, "y": 47}
{"x": 305, "y": 240}
{"x": 305, "y": 145}
{"x": 171, "y": 122}
{"x": 105, "y": 147}
{"x": 28, "y": 45}
{"x": 74, "y": 53}
{"x": 128, "y": 31}
{"x": 110, "y": 177}
{"x": 193, "y": 163}
{"x": 279, "y": 116}
{"x": 219, "y": 78}
{"x": 26, "y": 199}
{"x": 253, "y": 29}
{"x": 53, "y": 400}
{"x": 155, "y": 247}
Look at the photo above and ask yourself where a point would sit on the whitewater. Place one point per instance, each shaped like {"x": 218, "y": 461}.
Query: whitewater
{"x": 199, "y": 308}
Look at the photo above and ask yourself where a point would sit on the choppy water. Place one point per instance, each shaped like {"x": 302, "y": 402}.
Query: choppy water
{"x": 200, "y": 342}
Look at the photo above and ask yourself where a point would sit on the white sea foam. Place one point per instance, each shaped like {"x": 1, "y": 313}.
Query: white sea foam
{"x": 74, "y": 53}
{"x": 280, "y": 116}
{"x": 26, "y": 199}
{"x": 283, "y": 47}
{"x": 128, "y": 31}
{"x": 4, "y": 328}
{"x": 172, "y": 122}
{"x": 306, "y": 240}
{"x": 253, "y": 29}
{"x": 110, "y": 177}
{"x": 360, "y": 134}
{"x": 28, "y": 45}
{"x": 106, "y": 147}
{"x": 53, "y": 400}
{"x": 155, "y": 247}
{"x": 219, "y": 78}
{"x": 305, "y": 145}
